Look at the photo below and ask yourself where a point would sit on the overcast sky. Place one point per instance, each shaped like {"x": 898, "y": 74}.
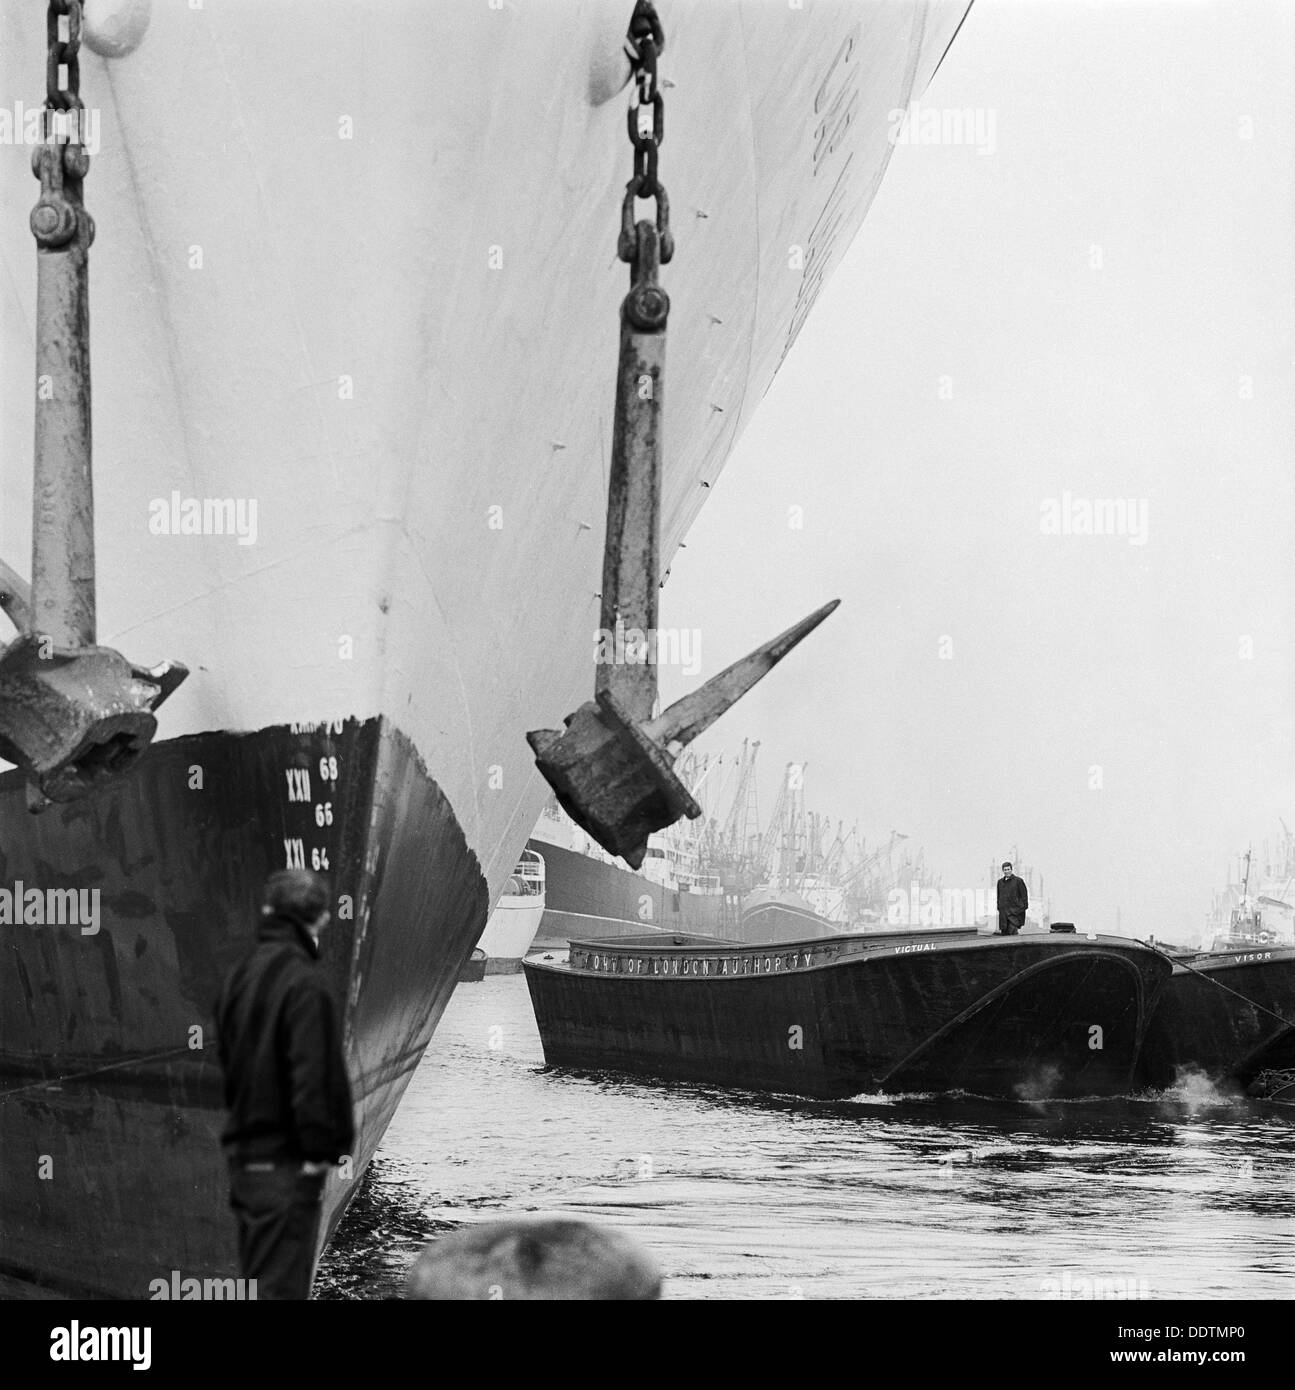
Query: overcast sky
{"x": 1101, "y": 306}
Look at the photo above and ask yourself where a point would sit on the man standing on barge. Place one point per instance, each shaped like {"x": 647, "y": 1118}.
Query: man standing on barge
{"x": 1013, "y": 899}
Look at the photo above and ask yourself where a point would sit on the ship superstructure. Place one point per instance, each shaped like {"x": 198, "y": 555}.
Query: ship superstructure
{"x": 515, "y": 918}
{"x": 1258, "y": 907}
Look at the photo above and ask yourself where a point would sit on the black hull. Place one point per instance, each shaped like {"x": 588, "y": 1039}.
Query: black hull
{"x": 588, "y": 900}
{"x": 111, "y": 1105}
{"x": 1230, "y": 1015}
{"x": 993, "y": 1016}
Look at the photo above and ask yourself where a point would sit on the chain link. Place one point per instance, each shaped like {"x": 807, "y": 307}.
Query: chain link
{"x": 63, "y": 98}
{"x": 645, "y": 122}
{"x": 646, "y": 134}
{"x": 63, "y": 53}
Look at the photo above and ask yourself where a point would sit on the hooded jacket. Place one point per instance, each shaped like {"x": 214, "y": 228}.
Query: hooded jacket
{"x": 280, "y": 1047}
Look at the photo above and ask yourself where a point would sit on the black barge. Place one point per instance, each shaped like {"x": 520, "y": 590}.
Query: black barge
{"x": 1027, "y": 1017}
{"x": 1228, "y": 1014}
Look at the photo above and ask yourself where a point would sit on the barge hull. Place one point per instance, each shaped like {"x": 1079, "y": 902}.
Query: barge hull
{"x": 1229, "y": 1016}
{"x": 1001, "y": 1017}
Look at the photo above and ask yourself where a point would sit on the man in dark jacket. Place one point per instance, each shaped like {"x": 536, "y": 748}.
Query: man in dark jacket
{"x": 286, "y": 1088}
{"x": 1013, "y": 899}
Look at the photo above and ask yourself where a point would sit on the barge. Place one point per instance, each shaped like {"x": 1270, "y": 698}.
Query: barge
{"x": 1024, "y": 1017}
{"x": 1229, "y": 1014}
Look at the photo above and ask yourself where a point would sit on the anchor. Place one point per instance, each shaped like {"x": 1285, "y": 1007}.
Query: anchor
{"x": 613, "y": 767}
{"x": 73, "y": 714}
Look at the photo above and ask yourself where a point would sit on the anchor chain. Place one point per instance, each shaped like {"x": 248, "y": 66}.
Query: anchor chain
{"x": 73, "y": 714}
{"x": 645, "y": 120}
{"x": 61, "y": 53}
{"x": 613, "y": 767}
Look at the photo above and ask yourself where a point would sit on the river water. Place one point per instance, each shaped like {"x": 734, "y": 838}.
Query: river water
{"x": 1181, "y": 1194}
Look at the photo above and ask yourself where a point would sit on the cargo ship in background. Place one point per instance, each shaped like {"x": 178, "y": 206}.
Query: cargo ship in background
{"x": 721, "y": 875}
{"x": 805, "y": 880}
{"x": 354, "y": 304}
{"x": 591, "y": 895}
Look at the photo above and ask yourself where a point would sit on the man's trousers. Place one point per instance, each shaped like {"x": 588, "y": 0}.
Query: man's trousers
{"x": 278, "y": 1211}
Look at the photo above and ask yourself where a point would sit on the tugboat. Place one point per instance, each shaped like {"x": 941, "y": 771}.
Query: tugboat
{"x": 1247, "y": 927}
{"x": 1024, "y": 1017}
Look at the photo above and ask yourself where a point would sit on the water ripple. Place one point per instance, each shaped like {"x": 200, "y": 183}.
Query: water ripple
{"x": 1186, "y": 1193}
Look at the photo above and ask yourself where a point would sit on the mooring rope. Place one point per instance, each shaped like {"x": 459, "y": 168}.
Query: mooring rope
{"x": 1175, "y": 960}
{"x": 94, "y": 1071}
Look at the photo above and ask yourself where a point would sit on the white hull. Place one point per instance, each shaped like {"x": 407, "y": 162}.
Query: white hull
{"x": 400, "y": 347}
{"x": 511, "y": 928}
{"x": 313, "y": 323}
